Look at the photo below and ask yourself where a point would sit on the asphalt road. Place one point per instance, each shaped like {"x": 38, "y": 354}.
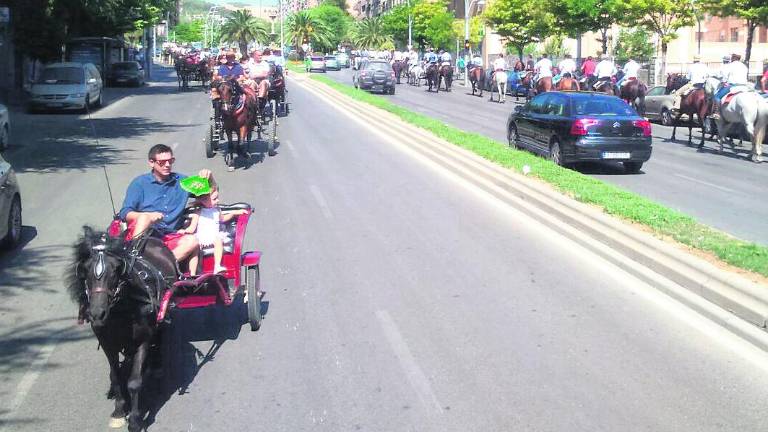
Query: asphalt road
{"x": 397, "y": 299}
{"x": 720, "y": 190}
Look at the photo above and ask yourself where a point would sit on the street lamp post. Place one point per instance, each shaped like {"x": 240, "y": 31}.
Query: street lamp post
{"x": 282, "y": 47}
{"x": 410, "y": 26}
{"x": 467, "y": 7}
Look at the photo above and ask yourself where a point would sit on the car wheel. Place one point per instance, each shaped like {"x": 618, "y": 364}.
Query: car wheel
{"x": 666, "y": 117}
{"x": 513, "y": 137}
{"x": 4, "y": 138}
{"x": 556, "y": 153}
{"x": 13, "y": 238}
{"x": 87, "y": 105}
{"x": 100, "y": 100}
{"x": 632, "y": 167}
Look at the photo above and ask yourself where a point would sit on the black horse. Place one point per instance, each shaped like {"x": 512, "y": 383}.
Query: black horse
{"x": 433, "y": 77}
{"x": 117, "y": 286}
{"x": 446, "y": 76}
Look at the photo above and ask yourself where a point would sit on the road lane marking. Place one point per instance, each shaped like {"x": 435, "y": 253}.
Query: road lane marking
{"x": 290, "y": 146}
{"x": 321, "y": 201}
{"x": 413, "y": 372}
{"x": 722, "y": 188}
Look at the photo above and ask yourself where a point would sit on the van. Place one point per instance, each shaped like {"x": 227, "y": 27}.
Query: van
{"x": 67, "y": 86}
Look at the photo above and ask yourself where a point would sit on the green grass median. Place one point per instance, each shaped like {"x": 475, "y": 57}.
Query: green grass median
{"x": 661, "y": 220}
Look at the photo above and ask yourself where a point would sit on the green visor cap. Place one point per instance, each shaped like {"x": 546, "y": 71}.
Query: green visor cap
{"x": 196, "y": 185}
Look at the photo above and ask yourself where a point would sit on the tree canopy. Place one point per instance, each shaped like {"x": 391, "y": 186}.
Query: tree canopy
{"x": 754, "y": 11}
{"x": 521, "y": 22}
{"x": 338, "y": 22}
{"x": 190, "y": 31}
{"x": 243, "y": 28}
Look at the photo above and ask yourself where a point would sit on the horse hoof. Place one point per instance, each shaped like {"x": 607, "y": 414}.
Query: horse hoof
{"x": 230, "y": 168}
{"x": 757, "y": 158}
{"x": 117, "y": 423}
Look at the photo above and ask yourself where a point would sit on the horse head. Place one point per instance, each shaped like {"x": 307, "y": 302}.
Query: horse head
{"x": 95, "y": 281}
{"x": 229, "y": 91}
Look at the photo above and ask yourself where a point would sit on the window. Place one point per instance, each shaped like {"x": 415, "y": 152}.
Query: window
{"x": 557, "y": 105}
{"x": 721, "y": 37}
{"x": 656, "y": 91}
{"x": 734, "y": 34}
{"x": 539, "y": 104}
{"x": 62, "y": 75}
{"x": 602, "y": 106}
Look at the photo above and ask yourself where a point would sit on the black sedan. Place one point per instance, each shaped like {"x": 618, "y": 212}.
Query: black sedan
{"x": 570, "y": 127}
{"x": 126, "y": 73}
{"x": 375, "y": 75}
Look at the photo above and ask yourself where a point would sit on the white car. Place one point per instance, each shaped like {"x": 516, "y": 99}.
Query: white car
{"x": 10, "y": 207}
{"x": 67, "y": 86}
{"x": 5, "y": 128}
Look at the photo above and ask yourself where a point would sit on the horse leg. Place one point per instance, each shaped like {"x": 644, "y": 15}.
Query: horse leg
{"x": 135, "y": 383}
{"x": 674, "y": 125}
{"x": 116, "y": 388}
{"x": 690, "y": 128}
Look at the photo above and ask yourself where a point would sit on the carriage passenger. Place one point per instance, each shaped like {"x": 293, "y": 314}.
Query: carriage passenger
{"x": 157, "y": 200}
{"x": 231, "y": 69}
{"x": 258, "y": 75}
{"x": 697, "y": 74}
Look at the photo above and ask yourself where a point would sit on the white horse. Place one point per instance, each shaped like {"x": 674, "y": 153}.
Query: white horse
{"x": 500, "y": 79}
{"x": 415, "y": 75}
{"x": 747, "y": 108}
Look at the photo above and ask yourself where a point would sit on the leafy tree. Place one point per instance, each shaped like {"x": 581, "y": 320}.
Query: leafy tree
{"x": 475, "y": 30}
{"x": 755, "y": 12}
{"x": 242, "y": 27}
{"x": 662, "y": 17}
{"x": 336, "y": 20}
{"x": 521, "y": 22}
{"x": 341, "y": 4}
{"x": 303, "y": 27}
{"x": 191, "y": 31}
{"x": 581, "y": 16}
{"x": 554, "y": 46}
{"x": 635, "y": 44}
{"x": 432, "y": 23}
{"x": 369, "y": 34}
{"x": 395, "y": 23}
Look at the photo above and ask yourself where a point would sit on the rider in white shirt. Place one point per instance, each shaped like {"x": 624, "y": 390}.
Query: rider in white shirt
{"x": 499, "y": 65}
{"x": 567, "y": 66}
{"x": 604, "y": 71}
{"x": 697, "y": 74}
{"x": 445, "y": 58}
{"x": 477, "y": 61}
{"x": 542, "y": 68}
{"x": 630, "y": 70}
{"x": 397, "y": 56}
{"x": 734, "y": 78}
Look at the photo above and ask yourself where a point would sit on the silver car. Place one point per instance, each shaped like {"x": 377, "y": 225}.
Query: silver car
{"x": 5, "y": 128}
{"x": 10, "y": 207}
{"x": 67, "y": 86}
{"x": 658, "y": 106}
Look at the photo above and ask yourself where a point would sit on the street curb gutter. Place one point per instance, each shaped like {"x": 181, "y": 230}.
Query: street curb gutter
{"x": 727, "y": 298}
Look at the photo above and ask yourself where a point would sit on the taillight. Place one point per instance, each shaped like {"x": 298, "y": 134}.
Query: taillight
{"x": 645, "y": 125}
{"x": 580, "y": 126}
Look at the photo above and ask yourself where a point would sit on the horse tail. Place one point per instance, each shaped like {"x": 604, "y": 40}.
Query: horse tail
{"x": 761, "y": 124}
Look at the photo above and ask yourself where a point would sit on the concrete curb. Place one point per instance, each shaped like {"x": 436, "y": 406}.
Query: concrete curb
{"x": 730, "y": 299}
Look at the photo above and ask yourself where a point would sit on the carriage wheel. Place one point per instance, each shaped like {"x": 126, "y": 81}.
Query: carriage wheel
{"x": 253, "y": 290}
{"x": 273, "y": 139}
{"x": 209, "y": 147}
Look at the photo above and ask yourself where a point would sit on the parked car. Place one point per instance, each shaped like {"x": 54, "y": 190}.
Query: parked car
{"x": 5, "y": 128}
{"x": 332, "y": 63}
{"x": 10, "y": 207}
{"x": 343, "y": 59}
{"x": 571, "y": 127}
{"x": 375, "y": 75}
{"x": 658, "y": 105}
{"x": 129, "y": 72}
{"x": 67, "y": 86}
{"x": 315, "y": 63}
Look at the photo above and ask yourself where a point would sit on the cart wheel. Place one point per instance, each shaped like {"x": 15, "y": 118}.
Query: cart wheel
{"x": 209, "y": 143}
{"x": 253, "y": 285}
{"x": 273, "y": 138}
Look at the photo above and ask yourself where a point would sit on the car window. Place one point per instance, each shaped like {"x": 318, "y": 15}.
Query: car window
{"x": 62, "y": 75}
{"x": 125, "y": 67}
{"x": 330, "y": 58}
{"x": 317, "y": 59}
{"x": 538, "y": 104}
{"x": 602, "y": 106}
{"x": 556, "y": 105}
{"x": 656, "y": 91}
{"x": 378, "y": 66}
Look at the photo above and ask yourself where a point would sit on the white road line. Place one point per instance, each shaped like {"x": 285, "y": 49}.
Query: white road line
{"x": 413, "y": 372}
{"x": 290, "y": 146}
{"x": 321, "y": 201}
{"x": 722, "y": 188}
{"x": 29, "y": 378}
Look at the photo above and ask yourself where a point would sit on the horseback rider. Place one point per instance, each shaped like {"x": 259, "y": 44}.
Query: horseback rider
{"x": 430, "y": 58}
{"x": 734, "y": 78}
{"x": 542, "y": 69}
{"x": 445, "y": 58}
{"x": 156, "y": 200}
{"x": 413, "y": 60}
{"x": 697, "y": 74}
{"x": 567, "y": 66}
{"x": 604, "y": 71}
{"x": 499, "y": 65}
{"x": 630, "y": 70}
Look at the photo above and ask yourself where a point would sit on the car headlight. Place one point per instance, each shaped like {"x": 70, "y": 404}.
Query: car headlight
{"x": 77, "y": 95}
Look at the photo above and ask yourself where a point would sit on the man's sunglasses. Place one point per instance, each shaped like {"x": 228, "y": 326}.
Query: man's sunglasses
{"x": 164, "y": 161}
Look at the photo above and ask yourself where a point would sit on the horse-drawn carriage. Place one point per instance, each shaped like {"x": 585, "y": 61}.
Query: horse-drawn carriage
{"x": 191, "y": 69}
{"x": 232, "y": 116}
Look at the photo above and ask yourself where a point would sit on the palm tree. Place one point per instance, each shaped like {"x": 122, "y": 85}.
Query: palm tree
{"x": 369, "y": 34}
{"x": 242, "y": 27}
{"x": 303, "y": 27}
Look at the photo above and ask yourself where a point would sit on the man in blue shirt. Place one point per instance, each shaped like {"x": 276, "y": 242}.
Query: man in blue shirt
{"x": 156, "y": 199}
{"x": 231, "y": 69}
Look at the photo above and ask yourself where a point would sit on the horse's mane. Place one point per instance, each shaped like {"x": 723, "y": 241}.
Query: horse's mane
{"x": 83, "y": 249}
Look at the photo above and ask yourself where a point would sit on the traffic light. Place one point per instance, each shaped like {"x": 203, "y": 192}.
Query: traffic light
{"x": 466, "y": 44}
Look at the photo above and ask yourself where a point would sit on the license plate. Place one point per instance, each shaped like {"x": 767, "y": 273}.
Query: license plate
{"x": 616, "y": 155}
{"x": 377, "y": 88}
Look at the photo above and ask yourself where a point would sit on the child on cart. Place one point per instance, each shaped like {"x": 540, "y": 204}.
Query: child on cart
{"x": 206, "y": 222}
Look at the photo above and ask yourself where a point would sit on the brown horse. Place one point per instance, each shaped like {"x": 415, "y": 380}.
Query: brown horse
{"x": 544, "y": 84}
{"x": 446, "y": 74}
{"x": 568, "y": 82}
{"x": 605, "y": 87}
{"x": 633, "y": 93}
{"x": 695, "y": 102}
{"x": 433, "y": 78}
{"x": 239, "y": 114}
{"x": 477, "y": 78}
{"x": 398, "y": 66}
